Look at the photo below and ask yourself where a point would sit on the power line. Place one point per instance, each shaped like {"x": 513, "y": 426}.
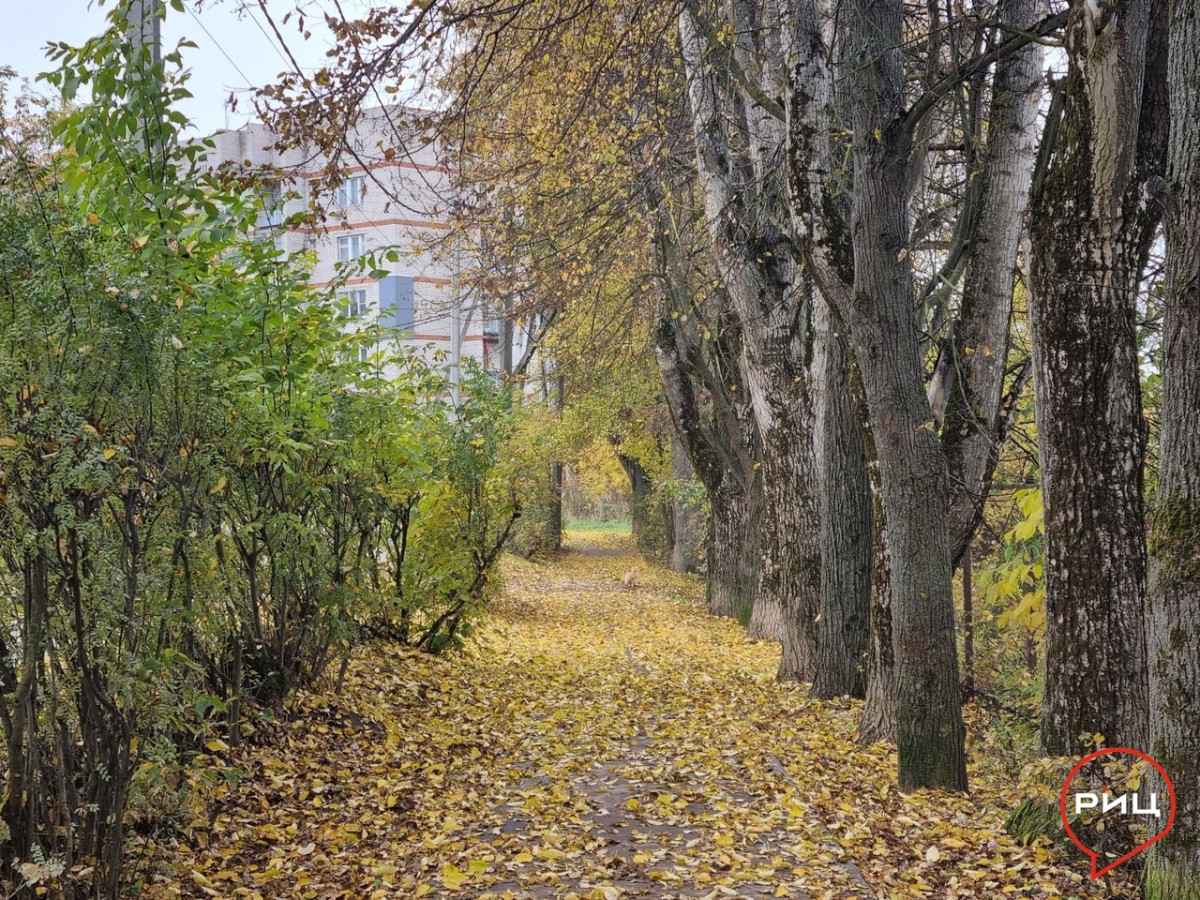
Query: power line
{"x": 270, "y": 41}
{"x": 217, "y": 44}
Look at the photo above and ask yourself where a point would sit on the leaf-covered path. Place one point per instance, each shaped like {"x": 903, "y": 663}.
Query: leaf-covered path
{"x": 599, "y": 742}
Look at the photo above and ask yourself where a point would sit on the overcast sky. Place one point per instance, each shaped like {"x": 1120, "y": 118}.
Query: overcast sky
{"x": 232, "y": 54}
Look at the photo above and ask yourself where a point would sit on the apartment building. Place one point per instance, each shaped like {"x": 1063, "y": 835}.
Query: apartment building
{"x": 399, "y": 203}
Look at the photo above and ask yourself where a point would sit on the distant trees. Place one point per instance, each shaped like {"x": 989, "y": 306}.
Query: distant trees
{"x": 697, "y": 344}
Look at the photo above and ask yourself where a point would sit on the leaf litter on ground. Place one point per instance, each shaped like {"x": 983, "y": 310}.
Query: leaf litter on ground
{"x": 597, "y": 743}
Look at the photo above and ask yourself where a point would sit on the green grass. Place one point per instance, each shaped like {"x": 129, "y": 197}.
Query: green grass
{"x": 588, "y": 525}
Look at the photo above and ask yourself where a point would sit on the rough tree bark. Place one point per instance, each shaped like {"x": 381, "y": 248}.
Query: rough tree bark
{"x": 1173, "y": 594}
{"x": 742, "y": 194}
{"x": 733, "y": 551}
{"x": 872, "y": 293}
{"x": 1092, "y": 227}
{"x": 878, "y": 722}
{"x": 915, "y": 486}
{"x": 709, "y": 406}
{"x": 846, "y": 533}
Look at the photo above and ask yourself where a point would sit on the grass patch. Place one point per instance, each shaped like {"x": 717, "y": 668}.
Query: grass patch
{"x": 617, "y": 527}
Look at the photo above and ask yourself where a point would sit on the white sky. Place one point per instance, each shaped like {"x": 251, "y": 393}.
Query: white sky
{"x": 232, "y": 55}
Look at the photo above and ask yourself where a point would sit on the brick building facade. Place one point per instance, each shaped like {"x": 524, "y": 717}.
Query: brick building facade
{"x": 399, "y": 203}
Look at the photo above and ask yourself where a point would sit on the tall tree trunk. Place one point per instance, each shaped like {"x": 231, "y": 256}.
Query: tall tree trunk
{"x": 929, "y": 728}
{"x": 846, "y": 533}
{"x": 974, "y": 429}
{"x": 754, "y": 259}
{"x": 19, "y": 812}
{"x": 1173, "y": 594}
{"x": 645, "y": 517}
{"x": 873, "y": 296}
{"x": 709, "y": 404}
{"x": 1092, "y": 230}
{"x": 786, "y": 604}
{"x": 878, "y": 722}
{"x": 556, "y": 476}
{"x": 686, "y": 514}
{"x": 555, "y": 518}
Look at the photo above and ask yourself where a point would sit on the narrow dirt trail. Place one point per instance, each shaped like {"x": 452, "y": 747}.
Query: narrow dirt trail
{"x": 596, "y": 743}
{"x": 664, "y": 786}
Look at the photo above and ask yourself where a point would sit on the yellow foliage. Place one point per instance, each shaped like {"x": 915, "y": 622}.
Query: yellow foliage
{"x": 599, "y": 471}
{"x": 592, "y": 724}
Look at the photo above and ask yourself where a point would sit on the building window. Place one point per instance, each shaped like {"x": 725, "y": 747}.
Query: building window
{"x": 351, "y": 247}
{"x": 350, "y": 191}
{"x": 396, "y": 302}
{"x": 269, "y": 224}
{"x": 272, "y": 207}
{"x": 356, "y": 303}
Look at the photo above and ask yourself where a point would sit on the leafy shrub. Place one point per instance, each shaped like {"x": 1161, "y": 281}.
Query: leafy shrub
{"x": 205, "y": 498}
{"x": 444, "y": 533}
{"x": 539, "y": 529}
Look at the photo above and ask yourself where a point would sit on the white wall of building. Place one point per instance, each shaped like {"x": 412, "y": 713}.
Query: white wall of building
{"x": 401, "y": 205}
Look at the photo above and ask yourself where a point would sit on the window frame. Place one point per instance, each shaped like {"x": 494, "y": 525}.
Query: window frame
{"x": 270, "y": 216}
{"x": 351, "y": 191}
{"x": 348, "y": 242}
{"x": 357, "y": 304}
{"x": 398, "y": 302}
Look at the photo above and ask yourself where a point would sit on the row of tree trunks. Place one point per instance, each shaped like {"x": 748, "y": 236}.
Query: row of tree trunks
{"x": 709, "y": 405}
{"x": 820, "y": 610}
{"x": 721, "y": 455}
{"x": 753, "y": 257}
{"x": 931, "y": 495}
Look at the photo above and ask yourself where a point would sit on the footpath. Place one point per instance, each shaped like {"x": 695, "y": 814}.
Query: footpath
{"x": 597, "y": 742}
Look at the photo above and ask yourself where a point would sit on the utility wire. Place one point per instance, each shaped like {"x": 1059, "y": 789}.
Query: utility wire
{"x": 270, "y": 40}
{"x": 216, "y": 43}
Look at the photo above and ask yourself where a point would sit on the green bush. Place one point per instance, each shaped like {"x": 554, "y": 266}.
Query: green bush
{"x": 205, "y": 498}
